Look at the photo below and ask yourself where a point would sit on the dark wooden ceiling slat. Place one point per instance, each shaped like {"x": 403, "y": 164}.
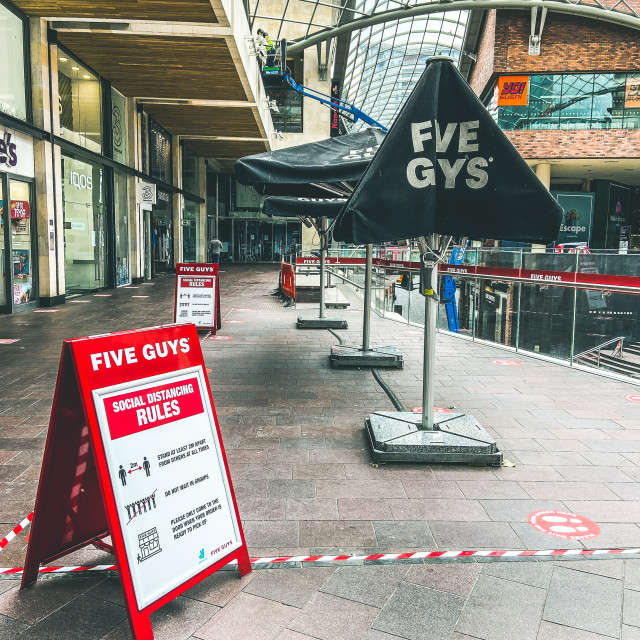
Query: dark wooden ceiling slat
{"x": 169, "y": 10}
{"x": 160, "y": 67}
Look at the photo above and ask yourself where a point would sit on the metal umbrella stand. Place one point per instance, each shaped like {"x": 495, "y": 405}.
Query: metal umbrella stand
{"x": 364, "y": 355}
{"x": 431, "y": 436}
{"x": 322, "y": 322}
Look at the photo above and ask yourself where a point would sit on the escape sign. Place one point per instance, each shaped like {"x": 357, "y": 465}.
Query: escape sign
{"x": 564, "y": 524}
{"x": 134, "y": 452}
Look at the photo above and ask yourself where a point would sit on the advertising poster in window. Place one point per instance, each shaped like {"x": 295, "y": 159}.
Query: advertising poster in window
{"x": 170, "y": 487}
{"x": 513, "y": 91}
{"x": 577, "y": 219}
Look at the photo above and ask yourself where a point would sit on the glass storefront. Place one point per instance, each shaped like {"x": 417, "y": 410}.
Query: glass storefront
{"x": 12, "y": 65}
{"x": 161, "y": 232}
{"x": 259, "y": 240}
{"x": 574, "y": 101}
{"x": 80, "y": 104}
{"x": 85, "y": 245}
{"x": 190, "y": 231}
{"x": 121, "y": 206}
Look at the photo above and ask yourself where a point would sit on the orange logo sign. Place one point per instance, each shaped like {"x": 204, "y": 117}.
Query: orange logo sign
{"x": 632, "y": 93}
{"x": 513, "y": 90}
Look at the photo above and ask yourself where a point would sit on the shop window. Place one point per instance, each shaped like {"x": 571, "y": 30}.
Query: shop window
{"x": 12, "y": 65}
{"x": 159, "y": 152}
{"x": 544, "y": 101}
{"x": 190, "y": 175}
{"x": 80, "y": 104}
{"x": 121, "y": 206}
{"x": 190, "y": 231}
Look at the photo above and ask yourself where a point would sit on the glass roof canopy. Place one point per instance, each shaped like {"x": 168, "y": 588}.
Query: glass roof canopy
{"x": 384, "y": 61}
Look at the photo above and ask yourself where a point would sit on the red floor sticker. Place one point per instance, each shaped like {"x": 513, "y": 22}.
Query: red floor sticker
{"x": 9, "y": 340}
{"x": 209, "y": 370}
{"x": 564, "y": 524}
{"x": 46, "y": 311}
{"x": 508, "y": 363}
{"x": 435, "y": 410}
{"x": 633, "y": 398}
{"x": 234, "y": 321}
{"x": 80, "y": 301}
{"x": 101, "y": 295}
{"x": 220, "y": 338}
{"x": 139, "y": 296}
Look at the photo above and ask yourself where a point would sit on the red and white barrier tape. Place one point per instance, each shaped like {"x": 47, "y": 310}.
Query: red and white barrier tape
{"x": 10, "y": 536}
{"x": 422, "y": 555}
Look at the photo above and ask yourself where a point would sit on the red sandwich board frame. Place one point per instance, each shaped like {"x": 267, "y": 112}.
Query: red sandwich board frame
{"x": 204, "y": 273}
{"x": 79, "y": 496}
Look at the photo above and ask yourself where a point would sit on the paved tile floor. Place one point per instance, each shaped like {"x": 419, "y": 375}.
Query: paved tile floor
{"x": 301, "y": 469}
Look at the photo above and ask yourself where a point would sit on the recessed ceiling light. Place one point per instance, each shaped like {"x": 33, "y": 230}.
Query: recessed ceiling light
{"x": 86, "y": 77}
{"x": 75, "y": 68}
{"x": 63, "y": 59}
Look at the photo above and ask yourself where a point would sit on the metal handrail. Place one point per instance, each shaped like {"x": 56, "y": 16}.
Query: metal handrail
{"x": 600, "y": 347}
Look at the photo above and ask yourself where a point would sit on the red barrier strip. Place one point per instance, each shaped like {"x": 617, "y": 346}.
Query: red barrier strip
{"x": 10, "y": 536}
{"x": 421, "y": 555}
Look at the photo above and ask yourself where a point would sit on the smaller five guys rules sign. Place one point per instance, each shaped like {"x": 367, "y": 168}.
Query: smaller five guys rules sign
{"x": 134, "y": 448}
{"x": 196, "y": 294}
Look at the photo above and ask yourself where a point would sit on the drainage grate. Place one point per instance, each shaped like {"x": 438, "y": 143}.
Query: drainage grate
{"x": 272, "y": 305}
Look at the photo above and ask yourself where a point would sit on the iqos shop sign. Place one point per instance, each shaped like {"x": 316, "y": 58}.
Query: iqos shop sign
{"x": 16, "y": 153}
{"x": 80, "y": 180}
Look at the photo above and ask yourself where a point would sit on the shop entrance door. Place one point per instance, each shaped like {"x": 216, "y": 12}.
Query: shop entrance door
{"x": 17, "y": 255}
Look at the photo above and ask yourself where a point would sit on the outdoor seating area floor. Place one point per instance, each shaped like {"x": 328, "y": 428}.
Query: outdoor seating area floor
{"x": 305, "y": 483}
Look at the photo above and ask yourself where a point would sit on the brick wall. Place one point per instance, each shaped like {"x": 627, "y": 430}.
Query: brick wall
{"x": 483, "y": 68}
{"x": 569, "y": 43}
{"x": 549, "y": 144}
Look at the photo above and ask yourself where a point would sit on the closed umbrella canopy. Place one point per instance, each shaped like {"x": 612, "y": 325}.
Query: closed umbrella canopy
{"x": 290, "y": 207}
{"x": 300, "y": 170}
{"x": 446, "y": 167}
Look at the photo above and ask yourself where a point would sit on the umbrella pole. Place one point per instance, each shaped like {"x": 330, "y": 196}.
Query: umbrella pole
{"x": 366, "y": 319}
{"x": 323, "y": 253}
{"x": 429, "y": 286}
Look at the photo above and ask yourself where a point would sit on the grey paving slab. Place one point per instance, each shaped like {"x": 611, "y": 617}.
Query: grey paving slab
{"x": 84, "y": 618}
{"x": 632, "y": 575}
{"x": 535, "y": 574}
{"x": 606, "y": 510}
{"x": 518, "y": 510}
{"x": 415, "y": 612}
{"x": 220, "y": 588}
{"x": 293, "y": 587}
{"x": 371, "y": 585}
{"x": 291, "y": 488}
{"x": 337, "y": 533}
{"x": 630, "y": 633}
{"x": 403, "y": 534}
{"x": 585, "y": 601}
{"x": 328, "y": 617}
{"x": 475, "y": 535}
{"x": 364, "y": 509}
{"x": 247, "y": 617}
{"x": 458, "y": 579}
{"x": 10, "y": 627}
{"x": 607, "y": 567}
{"x": 499, "y": 609}
{"x": 550, "y": 631}
{"x": 631, "y": 608}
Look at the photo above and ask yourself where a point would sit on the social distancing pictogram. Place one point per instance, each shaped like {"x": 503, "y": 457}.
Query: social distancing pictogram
{"x": 564, "y": 525}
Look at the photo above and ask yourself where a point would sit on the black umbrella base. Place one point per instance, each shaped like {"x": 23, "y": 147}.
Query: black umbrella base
{"x": 344, "y": 355}
{"x": 322, "y": 323}
{"x": 458, "y": 438}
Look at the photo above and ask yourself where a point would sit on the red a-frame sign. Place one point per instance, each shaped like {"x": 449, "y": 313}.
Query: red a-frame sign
{"x": 134, "y": 451}
{"x": 197, "y": 295}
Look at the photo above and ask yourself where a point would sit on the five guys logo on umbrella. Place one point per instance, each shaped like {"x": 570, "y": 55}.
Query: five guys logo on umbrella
{"x": 421, "y": 172}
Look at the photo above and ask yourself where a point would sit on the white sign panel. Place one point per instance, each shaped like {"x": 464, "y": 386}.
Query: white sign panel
{"x": 16, "y": 153}
{"x": 166, "y": 469}
{"x": 196, "y": 300}
{"x": 147, "y": 193}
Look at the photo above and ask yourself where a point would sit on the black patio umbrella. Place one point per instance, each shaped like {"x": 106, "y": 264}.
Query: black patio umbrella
{"x": 291, "y": 207}
{"x": 314, "y": 169}
{"x": 446, "y": 167}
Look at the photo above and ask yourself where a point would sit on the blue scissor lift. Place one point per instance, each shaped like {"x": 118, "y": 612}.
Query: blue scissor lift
{"x": 449, "y": 290}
